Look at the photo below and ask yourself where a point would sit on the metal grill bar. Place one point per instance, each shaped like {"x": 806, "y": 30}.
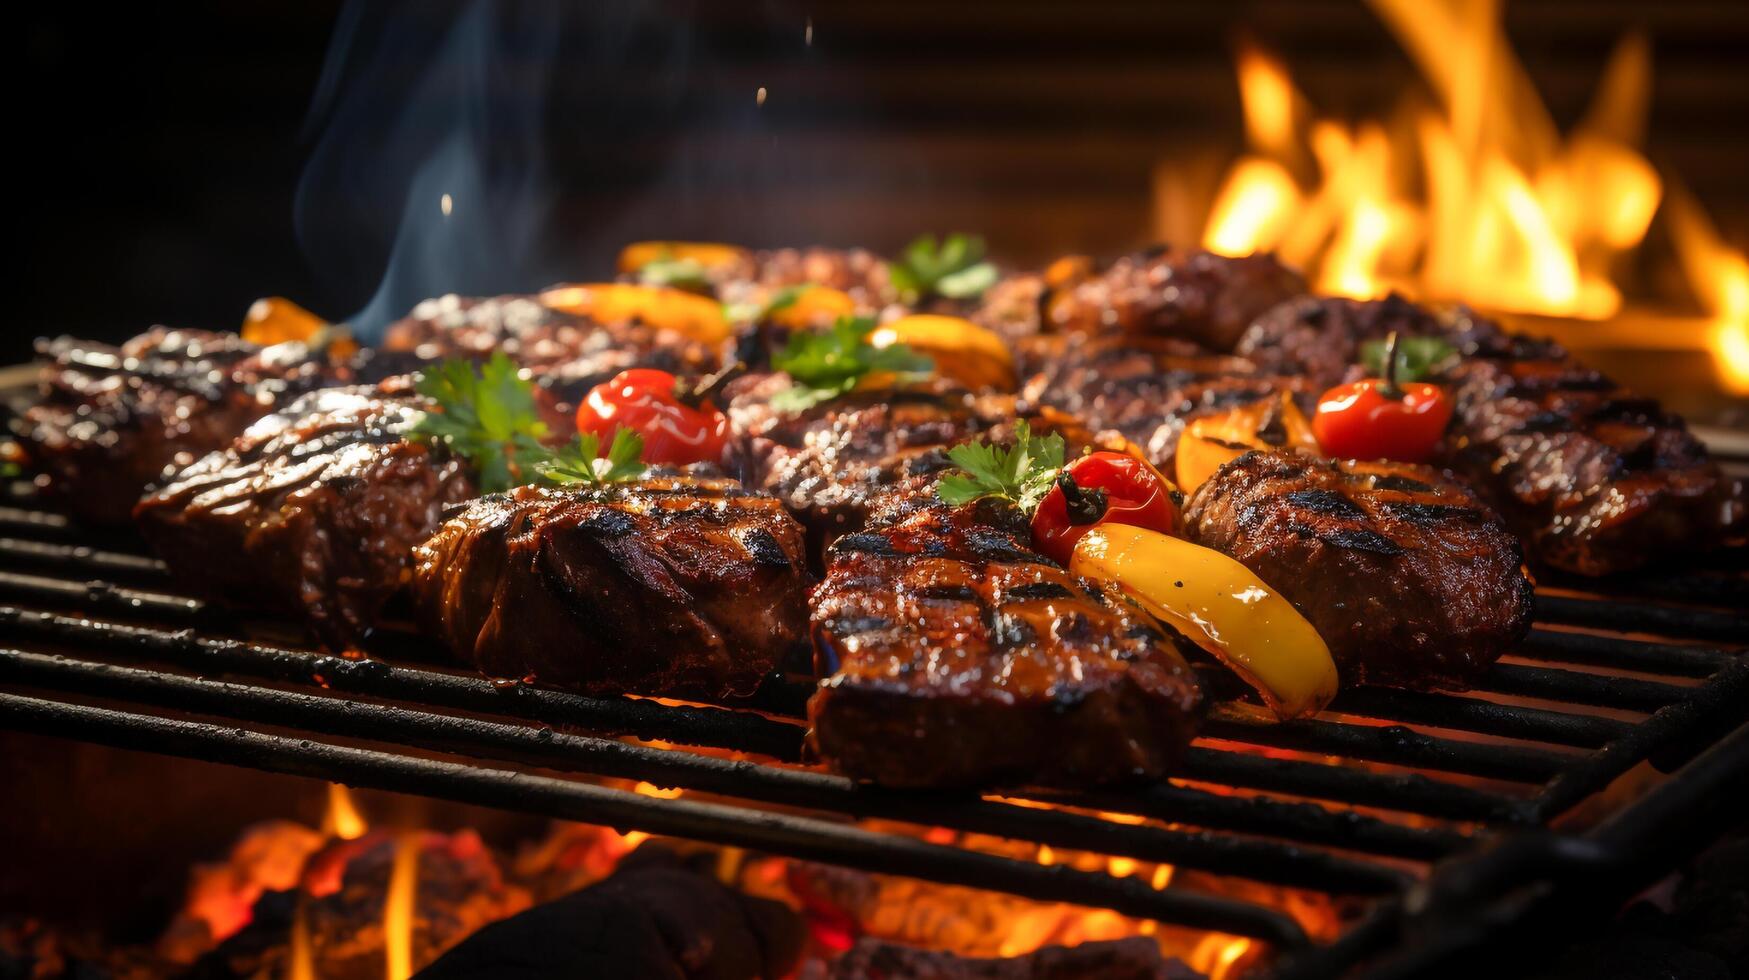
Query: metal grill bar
{"x": 1631, "y": 616}
{"x": 570, "y": 800}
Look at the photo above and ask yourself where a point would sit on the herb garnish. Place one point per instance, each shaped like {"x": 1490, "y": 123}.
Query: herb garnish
{"x": 1022, "y": 473}
{"x": 687, "y": 273}
{"x": 826, "y": 365}
{"x": 1417, "y": 357}
{"x": 956, "y": 269}
{"x": 577, "y": 462}
{"x": 488, "y": 417}
{"x": 754, "y": 312}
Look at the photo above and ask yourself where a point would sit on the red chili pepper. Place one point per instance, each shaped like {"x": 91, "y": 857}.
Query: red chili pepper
{"x": 651, "y": 403}
{"x": 1380, "y": 419}
{"x": 1101, "y": 488}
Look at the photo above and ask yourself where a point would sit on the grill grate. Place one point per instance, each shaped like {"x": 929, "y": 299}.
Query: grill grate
{"x": 102, "y": 648}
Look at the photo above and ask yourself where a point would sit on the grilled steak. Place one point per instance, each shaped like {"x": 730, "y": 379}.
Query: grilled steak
{"x": 683, "y": 586}
{"x": 1147, "y": 388}
{"x": 313, "y": 510}
{"x": 109, "y": 420}
{"x": 831, "y": 463}
{"x": 1321, "y": 336}
{"x": 1409, "y": 579}
{"x": 557, "y": 347}
{"x": 954, "y": 655}
{"x": 1201, "y": 297}
{"x": 1592, "y": 478}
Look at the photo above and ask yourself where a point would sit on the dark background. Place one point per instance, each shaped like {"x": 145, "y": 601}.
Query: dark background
{"x": 162, "y": 147}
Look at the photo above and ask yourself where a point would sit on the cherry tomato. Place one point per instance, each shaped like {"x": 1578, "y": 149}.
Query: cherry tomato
{"x": 1373, "y": 419}
{"x": 647, "y": 402}
{"x": 1101, "y": 488}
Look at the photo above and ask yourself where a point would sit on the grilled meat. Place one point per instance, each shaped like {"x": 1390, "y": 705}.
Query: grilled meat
{"x": 313, "y": 510}
{"x": 1592, "y": 478}
{"x": 1320, "y": 336}
{"x": 1147, "y": 388}
{"x": 683, "y": 586}
{"x": 954, "y": 655}
{"x": 1409, "y": 579}
{"x": 109, "y": 420}
{"x": 1201, "y": 297}
{"x": 558, "y": 348}
{"x": 830, "y": 464}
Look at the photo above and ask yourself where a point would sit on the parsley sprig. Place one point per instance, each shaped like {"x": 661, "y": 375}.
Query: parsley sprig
{"x": 955, "y": 269}
{"x": 1021, "y": 473}
{"x": 577, "y": 463}
{"x": 826, "y": 365}
{"x": 487, "y": 416}
{"x": 1417, "y": 357}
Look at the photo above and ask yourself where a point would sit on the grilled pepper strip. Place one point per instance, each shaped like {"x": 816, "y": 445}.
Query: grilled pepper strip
{"x": 1222, "y": 606}
{"x": 961, "y": 349}
{"x": 663, "y": 307}
{"x": 1212, "y": 441}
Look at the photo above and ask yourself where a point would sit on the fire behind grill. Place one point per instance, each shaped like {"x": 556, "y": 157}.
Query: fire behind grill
{"x": 100, "y": 648}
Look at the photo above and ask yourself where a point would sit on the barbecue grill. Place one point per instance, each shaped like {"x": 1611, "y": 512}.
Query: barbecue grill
{"x": 1441, "y": 813}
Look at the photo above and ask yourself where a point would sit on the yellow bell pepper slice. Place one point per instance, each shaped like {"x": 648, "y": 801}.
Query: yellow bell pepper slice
{"x": 663, "y": 307}
{"x": 710, "y": 255}
{"x": 814, "y": 306}
{"x": 1212, "y": 440}
{"x": 277, "y": 320}
{"x": 1222, "y": 606}
{"x": 961, "y": 349}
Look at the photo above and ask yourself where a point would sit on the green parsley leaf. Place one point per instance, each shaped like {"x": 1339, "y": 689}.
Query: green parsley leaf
{"x": 750, "y": 312}
{"x": 827, "y": 365}
{"x": 1417, "y": 357}
{"x": 680, "y": 273}
{"x": 1021, "y": 473}
{"x": 486, "y": 416}
{"x": 955, "y": 269}
{"x": 577, "y": 462}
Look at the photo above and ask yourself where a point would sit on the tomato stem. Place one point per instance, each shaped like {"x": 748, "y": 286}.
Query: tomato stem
{"x": 1085, "y": 505}
{"x": 707, "y": 387}
{"x": 1388, "y": 388}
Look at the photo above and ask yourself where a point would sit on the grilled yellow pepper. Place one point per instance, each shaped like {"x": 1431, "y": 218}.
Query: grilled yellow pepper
{"x": 277, "y": 320}
{"x": 1212, "y": 440}
{"x": 1222, "y": 606}
{"x": 814, "y": 306}
{"x": 663, "y": 307}
{"x": 710, "y": 255}
{"x": 961, "y": 349}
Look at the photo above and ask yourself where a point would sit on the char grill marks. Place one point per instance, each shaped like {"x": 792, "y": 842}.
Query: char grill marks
{"x": 954, "y": 655}
{"x": 313, "y": 510}
{"x": 1146, "y": 388}
{"x": 683, "y": 586}
{"x": 831, "y": 463}
{"x": 1592, "y": 478}
{"x": 1409, "y": 579}
{"x": 559, "y": 348}
{"x": 108, "y": 420}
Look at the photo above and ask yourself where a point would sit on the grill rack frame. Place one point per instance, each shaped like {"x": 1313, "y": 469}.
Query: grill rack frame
{"x": 156, "y": 671}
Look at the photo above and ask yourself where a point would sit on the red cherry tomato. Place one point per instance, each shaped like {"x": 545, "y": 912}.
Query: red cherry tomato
{"x": 1372, "y": 420}
{"x": 644, "y": 400}
{"x": 1101, "y": 488}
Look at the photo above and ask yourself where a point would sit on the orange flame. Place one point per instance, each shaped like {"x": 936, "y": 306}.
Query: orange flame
{"x": 1501, "y": 210}
{"x": 1719, "y": 276}
{"x": 398, "y": 906}
{"x": 301, "y": 963}
{"x": 342, "y": 819}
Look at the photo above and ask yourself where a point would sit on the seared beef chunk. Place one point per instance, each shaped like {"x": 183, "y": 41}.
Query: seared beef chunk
{"x": 314, "y": 510}
{"x": 684, "y": 586}
{"x": 1591, "y": 477}
{"x": 557, "y": 347}
{"x": 108, "y": 420}
{"x": 831, "y": 463}
{"x": 1147, "y": 388}
{"x": 1201, "y": 297}
{"x": 1594, "y": 478}
{"x": 1321, "y": 336}
{"x": 1409, "y": 579}
{"x": 856, "y": 271}
{"x": 954, "y": 655}
{"x": 1136, "y": 958}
